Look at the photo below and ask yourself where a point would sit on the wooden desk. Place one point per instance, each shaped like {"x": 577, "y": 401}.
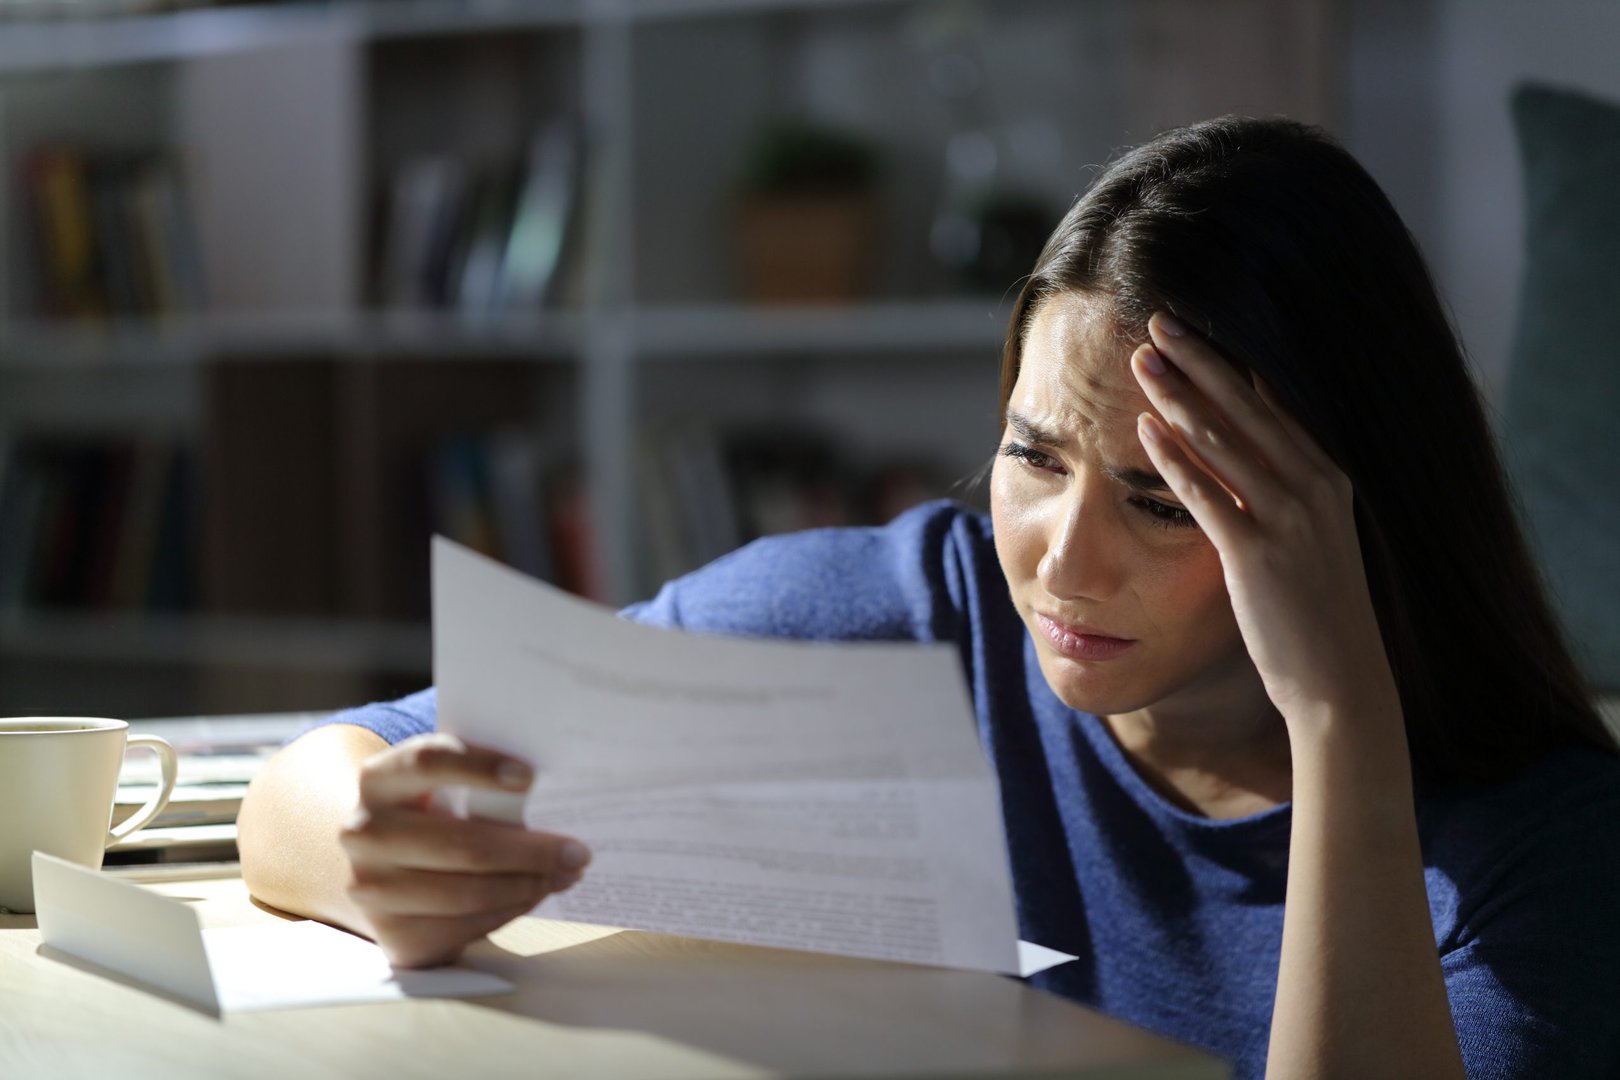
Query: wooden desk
{"x": 590, "y": 1003}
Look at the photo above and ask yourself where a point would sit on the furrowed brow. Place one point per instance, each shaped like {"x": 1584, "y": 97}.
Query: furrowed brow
{"x": 1135, "y": 479}
{"x": 1031, "y": 432}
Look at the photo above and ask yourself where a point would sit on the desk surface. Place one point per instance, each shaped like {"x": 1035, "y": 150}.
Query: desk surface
{"x": 590, "y": 1002}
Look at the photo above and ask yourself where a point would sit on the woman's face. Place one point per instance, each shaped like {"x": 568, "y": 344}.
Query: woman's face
{"x": 1120, "y": 590}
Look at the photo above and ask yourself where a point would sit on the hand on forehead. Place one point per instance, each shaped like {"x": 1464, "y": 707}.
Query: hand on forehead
{"x": 1074, "y": 380}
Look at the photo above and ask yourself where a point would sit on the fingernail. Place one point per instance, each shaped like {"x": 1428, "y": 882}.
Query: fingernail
{"x": 514, "y": 774}
{"x": 1145, "y": 425}
{"x": 1172, "y": 326}
{"x": 574, "y": 855}
{"x": 1153, "y": 361}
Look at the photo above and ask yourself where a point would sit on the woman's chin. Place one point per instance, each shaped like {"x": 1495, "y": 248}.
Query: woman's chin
{"x": 1094, "y": 688}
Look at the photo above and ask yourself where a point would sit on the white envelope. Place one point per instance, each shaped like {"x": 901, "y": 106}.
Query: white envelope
{"x": 158, "y": 941}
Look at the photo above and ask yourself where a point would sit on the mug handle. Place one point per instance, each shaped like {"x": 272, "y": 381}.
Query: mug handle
{"x": 168, "y": 765}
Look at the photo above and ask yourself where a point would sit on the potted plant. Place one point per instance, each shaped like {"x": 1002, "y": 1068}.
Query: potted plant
{"x": 807, "y": 214}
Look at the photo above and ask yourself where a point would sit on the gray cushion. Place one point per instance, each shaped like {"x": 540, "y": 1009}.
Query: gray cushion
{"x": 1562, "y": 410}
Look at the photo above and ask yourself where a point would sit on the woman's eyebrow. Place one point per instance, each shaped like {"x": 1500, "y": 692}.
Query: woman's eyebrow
{"x": 1135, "y": 479}
{"x": 1030, "y": 432}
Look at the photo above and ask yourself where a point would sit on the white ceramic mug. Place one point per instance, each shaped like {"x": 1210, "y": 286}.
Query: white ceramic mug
{"x": 58, "y": 779}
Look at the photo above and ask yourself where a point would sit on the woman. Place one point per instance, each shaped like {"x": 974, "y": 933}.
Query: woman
{"x": 1292, "y": 755}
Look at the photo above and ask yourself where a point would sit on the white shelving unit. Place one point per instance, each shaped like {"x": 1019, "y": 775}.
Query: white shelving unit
{"x": 67, "y": 42}
{"x": 216, "y": 640}
{"x": 189, "y": 340}
{"x": 662, "y": 87}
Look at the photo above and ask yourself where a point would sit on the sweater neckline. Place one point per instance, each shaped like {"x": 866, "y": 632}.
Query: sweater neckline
{"x": 1156, "y": 805}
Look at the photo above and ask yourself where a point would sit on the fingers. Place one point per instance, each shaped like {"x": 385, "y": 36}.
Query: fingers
{"x": 419, "y": 942}
{"x": 402, "y": 892}
{"x": 1205, "y": 369}
{"x": 416, "y": 927}
{"x": 417, "y": 767}
{"x": 1228, "y": 459}
{"x": 1210, "y": 505}
{"x": 428, "y": 882}
{"x": 429, "y": 892}
{"x": 430, "y": 840}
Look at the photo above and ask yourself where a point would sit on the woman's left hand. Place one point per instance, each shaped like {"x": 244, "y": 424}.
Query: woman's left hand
{"x": 1280, "y": 513}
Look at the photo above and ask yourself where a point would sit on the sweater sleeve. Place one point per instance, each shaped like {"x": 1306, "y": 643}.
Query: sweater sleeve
{"x": 1531, "y": 970}
{"x": 395, "y": 721}
{"x": 898, "y": 582}
{"x": 903, "y": 581}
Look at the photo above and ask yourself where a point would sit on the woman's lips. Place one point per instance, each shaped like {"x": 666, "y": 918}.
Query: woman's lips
{"x": 1080, "y": 644}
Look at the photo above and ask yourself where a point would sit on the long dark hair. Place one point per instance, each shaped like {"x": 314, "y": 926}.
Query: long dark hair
{"x": 1267, "y": 237}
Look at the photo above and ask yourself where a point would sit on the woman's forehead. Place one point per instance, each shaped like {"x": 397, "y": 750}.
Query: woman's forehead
{"x": 1074, "y": 375}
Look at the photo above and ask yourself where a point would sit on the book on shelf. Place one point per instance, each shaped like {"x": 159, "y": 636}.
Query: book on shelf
{"x": 175, "y": 843}
{"x": 518, "y": 485}
{"x": 173, "y": 587}
{"x": 480, "y": 237}
{"x": 501, "y": 493}
{"x": 165, "y": 245}
{"x": 144, "y": 499}
{"x": 59, "y": 189}
{"x": 218, "y": 757}
{"x": 191, "y": 804}
{"x": 542, "y": 218}
{"x": 112, "y": 233}
{"x": 97, "y": 522}
{"x": 482, "y": 255}
{"x": 271, "y": 453}
{"x": 694, "y": 517}
{"x": 715, "y": 488}
{"x": 573, "y": 539}
{"x": 419, "y": 235}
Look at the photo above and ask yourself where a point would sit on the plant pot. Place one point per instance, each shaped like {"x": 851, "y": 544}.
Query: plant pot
{"x": 805, "y": 249}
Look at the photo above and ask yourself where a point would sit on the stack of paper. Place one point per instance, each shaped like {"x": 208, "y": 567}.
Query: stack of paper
{"x": 218, "y": 755}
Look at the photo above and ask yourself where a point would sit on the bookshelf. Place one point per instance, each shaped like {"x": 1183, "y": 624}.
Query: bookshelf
{"x": 45, "y": 345}
{"x": 307, "y": 643}
{"x": 331, "y": 375}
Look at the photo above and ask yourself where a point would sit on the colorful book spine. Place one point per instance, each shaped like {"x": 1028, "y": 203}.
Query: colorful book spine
{"x": 98, "y": 524}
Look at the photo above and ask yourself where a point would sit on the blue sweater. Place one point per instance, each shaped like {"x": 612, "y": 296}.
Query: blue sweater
{"x": 1177, "y": 919}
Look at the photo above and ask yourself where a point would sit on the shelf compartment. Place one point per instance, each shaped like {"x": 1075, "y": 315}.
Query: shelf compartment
{"x": 670, "y": 332}
{"x": 31, "y": 45}
{"x": 305, "y": 644}
{"x": 35, "y": 343}
{"x": 57, "y": 44}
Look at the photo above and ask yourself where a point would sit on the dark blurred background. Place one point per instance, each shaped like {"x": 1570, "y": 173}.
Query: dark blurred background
{"x": 601, "y": 288}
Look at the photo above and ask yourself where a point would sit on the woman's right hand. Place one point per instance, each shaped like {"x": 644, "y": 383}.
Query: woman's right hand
{"x": 430, "y": 883}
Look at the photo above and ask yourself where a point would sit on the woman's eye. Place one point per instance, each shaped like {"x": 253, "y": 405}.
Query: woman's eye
{"x": 1028, "y": 455}
{"x": 1164, "y": 515}
{"x": 1161, "y": 515}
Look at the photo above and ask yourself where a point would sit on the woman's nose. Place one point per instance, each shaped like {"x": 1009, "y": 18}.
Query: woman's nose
{"x": 1081, "y": 558}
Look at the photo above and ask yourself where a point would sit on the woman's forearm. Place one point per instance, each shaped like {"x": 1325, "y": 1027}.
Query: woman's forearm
{"x": 290, "y": 820}
{"x": 1360, "y": 992}
{"x": 342, "y": 827}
